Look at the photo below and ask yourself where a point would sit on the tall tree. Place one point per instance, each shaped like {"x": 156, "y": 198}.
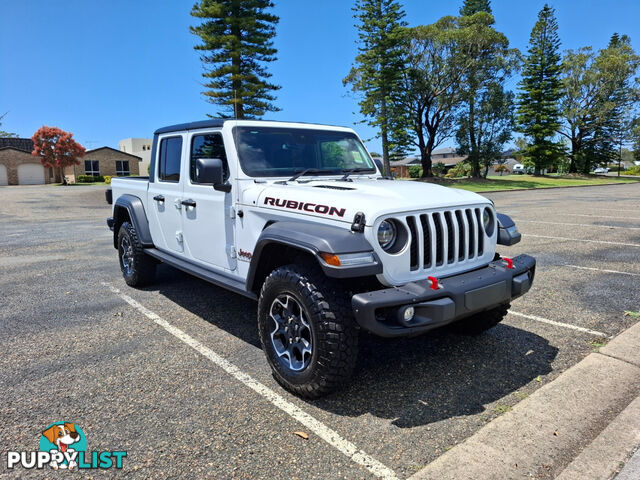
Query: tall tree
{"x": 617, "y": 67}
{"x": 57, "y": 149}
{"x": 471, "y": 7}
{"x": 493, "y": 122}
{"x": 538, "y": 113}
{"x": 492, "y": 64}
{"x": 237, "y": 44}
{"x": 377, "y": 68}
{"x": 439, "y": 59}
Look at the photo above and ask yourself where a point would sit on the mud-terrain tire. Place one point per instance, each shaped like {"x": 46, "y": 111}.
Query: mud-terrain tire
{"x": 298, "y": 302}
{"x": 138, "y": 268}
{"x": 481, "y": 322}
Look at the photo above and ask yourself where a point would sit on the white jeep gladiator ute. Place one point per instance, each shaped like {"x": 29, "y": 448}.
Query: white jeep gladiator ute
{"x": 298, "y": 217}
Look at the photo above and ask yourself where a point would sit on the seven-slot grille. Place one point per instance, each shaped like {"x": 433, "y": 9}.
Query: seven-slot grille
{"x": 446, "y": 237}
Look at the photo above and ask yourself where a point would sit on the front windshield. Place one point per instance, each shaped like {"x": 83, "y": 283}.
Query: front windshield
{"x": 283, "y": 152}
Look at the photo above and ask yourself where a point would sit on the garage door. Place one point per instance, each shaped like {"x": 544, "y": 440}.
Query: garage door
{"x": 30, "y": 174}
{"x": 3, "y": 175}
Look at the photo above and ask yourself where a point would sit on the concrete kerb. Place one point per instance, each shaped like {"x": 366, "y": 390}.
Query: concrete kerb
{"x": 543, "y": 433}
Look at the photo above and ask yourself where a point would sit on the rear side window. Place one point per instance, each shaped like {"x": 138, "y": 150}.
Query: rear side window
{"x": 208, "y": 145}
{"x": 170, "y": 153}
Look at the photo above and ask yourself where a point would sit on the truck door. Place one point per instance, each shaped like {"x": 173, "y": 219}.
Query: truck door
{"x": 165, "y": 195}
{"x": 208, "y": 227}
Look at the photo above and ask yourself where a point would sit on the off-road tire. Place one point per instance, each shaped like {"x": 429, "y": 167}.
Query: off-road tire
{"x": 333, "y": 328}
{"x": 481, "y": 322}
{"x": 143, "y": 268}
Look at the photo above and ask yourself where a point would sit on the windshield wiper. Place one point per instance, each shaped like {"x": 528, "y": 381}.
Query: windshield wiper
{"x": 310, "y": 170}
{"x": 349, "y": 171}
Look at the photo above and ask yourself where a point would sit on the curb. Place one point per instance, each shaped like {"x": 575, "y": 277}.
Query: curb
{"x": 545, "y": 432}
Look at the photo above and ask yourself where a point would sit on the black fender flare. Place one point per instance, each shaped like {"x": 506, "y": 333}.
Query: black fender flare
{"x": 315, "y": 238}
{"x": 138, "y": 216}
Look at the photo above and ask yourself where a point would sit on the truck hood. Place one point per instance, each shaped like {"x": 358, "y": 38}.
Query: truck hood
{"x": 341, "y": 200}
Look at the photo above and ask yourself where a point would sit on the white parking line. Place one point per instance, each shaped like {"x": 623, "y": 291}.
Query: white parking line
{"x": 578, "y": 224}
{"x": 559, "y": 324}
{"x": 602, "y": 216}
{"x": 327, "y": 434}
{"x": 604, "y": 270}
{"x": 581, "y": 240}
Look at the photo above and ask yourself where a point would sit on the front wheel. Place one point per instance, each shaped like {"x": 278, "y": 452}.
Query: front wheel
{"x": 307, "y": 330}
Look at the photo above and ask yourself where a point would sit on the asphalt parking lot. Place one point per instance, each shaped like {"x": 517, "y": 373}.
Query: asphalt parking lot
{"x": 79, "y": 345}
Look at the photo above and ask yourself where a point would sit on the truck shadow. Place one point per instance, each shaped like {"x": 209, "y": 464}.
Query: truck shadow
{"x": 411, "y": 381}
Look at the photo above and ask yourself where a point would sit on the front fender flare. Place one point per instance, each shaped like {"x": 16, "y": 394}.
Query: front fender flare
{"x": 315, "y": 238}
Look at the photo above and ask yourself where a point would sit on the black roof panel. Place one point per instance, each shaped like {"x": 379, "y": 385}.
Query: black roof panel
{"x": 212, "y": 122}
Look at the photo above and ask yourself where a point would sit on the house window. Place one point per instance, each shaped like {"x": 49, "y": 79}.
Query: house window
{"x": 122, "y": 168}
{"x": 92, "y": 167}
{"x": 170, "y": 153}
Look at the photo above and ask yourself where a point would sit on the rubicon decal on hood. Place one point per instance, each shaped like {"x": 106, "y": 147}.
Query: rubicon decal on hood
{"x": 305, "y": 207}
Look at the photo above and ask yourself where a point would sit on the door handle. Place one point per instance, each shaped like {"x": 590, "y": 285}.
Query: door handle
{"x": 159, "y": 198}
{"x": 189, "y": 203}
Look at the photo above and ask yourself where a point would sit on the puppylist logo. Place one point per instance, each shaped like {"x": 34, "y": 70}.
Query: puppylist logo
{"x": 64, "y": 446}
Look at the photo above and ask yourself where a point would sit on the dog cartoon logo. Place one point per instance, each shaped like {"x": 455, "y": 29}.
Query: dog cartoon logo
{"x": 63, "y": 440}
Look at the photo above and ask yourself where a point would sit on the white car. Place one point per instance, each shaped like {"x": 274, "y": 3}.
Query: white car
{"x": 299, "y": 218}
{"x": 518, "y": 168}
{"x": 601, "y": 170}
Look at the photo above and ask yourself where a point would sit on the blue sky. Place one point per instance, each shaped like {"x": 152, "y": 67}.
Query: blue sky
{"x": 122, "y": 68}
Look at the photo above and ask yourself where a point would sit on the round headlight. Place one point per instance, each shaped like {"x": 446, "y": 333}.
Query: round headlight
{"x": 487, "y": 221}
{"x": 386, "y": 234}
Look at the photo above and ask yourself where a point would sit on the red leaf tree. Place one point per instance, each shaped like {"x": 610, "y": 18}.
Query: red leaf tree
{"x": 57, "y": 149}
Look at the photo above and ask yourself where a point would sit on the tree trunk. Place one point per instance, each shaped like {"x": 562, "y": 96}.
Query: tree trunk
{"x": 236, "y": 63}
{"x": 425, "y": 157}
{"x": 473, "y": 150}
{"x": 384, "y": 135}
{"x": 63, "y": 179}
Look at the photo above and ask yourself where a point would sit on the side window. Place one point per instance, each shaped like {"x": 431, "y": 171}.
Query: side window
{"x": 170, "y": 153}
{"x": 208, "y": 145}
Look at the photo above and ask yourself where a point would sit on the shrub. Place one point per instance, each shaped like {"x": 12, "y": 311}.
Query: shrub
{"x": 635, "y": 170}
{"x": 89, "y": 179}
{"x": 502, "y": 168}
{"x": 415, "y": 171}
{"x": 107, "y": 179}
{"x": 438, "y": 168}
{"x": 460, "y": 170}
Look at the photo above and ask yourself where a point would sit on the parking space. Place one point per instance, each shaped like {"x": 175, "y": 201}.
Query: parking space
{"x": 174, "y": 373}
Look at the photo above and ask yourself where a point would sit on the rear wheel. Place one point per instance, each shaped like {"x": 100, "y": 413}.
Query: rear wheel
{"x": 481, "y": 322}
{"x": 138, "y": 268}
{"x": 307, "y": 330}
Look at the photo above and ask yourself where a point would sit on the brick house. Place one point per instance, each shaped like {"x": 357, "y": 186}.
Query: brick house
{"x": 19, "y": 167}
{"x": 105, "y": 161}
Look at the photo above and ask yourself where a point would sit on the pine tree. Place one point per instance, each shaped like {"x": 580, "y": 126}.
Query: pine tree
{"x": 377, "y": 68}
{"x": 236, "y": 46}
{"x": 471, "y": 7}
{"x": 538, "y": 113}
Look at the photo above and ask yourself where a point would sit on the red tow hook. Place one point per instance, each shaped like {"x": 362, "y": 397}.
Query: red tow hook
{"x": 434, "y": 283}
{"x": 509, "y": 262}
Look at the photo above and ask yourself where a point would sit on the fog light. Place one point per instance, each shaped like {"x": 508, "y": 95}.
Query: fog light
{"x": 408, "y": 314}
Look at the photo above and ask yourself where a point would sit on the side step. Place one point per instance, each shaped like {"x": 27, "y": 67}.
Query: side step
{"x": 200, "y": 272}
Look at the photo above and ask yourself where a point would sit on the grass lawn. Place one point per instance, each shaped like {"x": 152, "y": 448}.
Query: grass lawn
{"x": 513, "y": 182}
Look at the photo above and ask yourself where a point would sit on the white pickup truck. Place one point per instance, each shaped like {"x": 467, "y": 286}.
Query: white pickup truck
{"x": 298, "y": 217}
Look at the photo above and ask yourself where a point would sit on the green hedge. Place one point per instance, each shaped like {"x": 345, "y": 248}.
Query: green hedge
{"x": 89, "y": 179}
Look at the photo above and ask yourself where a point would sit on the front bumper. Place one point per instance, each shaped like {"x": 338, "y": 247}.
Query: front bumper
{"x": 380, "y": 311}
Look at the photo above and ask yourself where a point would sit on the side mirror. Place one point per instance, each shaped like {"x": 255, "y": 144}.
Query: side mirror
{"x": 211, "y": 170}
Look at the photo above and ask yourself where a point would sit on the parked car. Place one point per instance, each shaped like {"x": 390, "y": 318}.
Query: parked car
{"x": 601, "y": 170}
{"x": 518, "y": 168}
{"x": 299, "y": 218}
